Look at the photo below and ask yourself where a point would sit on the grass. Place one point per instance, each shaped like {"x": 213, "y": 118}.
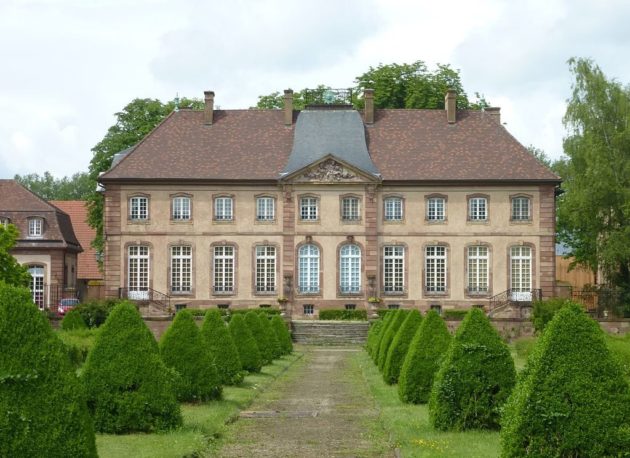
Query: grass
{"x": 204, "y": 424}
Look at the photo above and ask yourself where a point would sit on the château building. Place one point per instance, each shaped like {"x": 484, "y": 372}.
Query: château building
{"x": 330, "y": 207}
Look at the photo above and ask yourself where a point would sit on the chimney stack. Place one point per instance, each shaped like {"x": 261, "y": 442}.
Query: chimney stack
{"x": 208, "y": 110}
{"x": 368, "y": 99}
{"x": 288, "y": 107}
{"x": 450, "y": 104}
{"x": 495, "y": 113}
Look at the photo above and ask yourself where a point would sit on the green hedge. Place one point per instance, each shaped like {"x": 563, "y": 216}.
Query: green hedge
{"x": 382, "y": 313}
{"x": 219, "y": 341}
{"x": 283, "y": 334}
{"x": 253, "y": 321}
{"x": 227, "y": 314}
{"x": 454, "y": 314}
{"x": 128, "y": 386}
{"x": 73, "y": 320}
{"x": 571, "y": 399}
{"x": 544, "y": 311}
{"x": 43, "y": 410}
{"x": 399, "y": 346}
{"x": 475, "y": 379}
{"x": 95, "y": 312}
{"x": 78, "y": 343}
{"x": 272, "y": 338}
{"x": 389, "y": 335}
{"x": 340, "y": 314}
{"x": 387, "y": 322}
{"x": 373, "y": 335}
{"x": 248, "y": 351}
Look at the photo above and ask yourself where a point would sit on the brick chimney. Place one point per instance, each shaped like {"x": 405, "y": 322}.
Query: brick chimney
{"x": 450, "y": 104}
{"x": 288, "y": 107}
{"x": 208, "y": 110}
{"x": 368, "y": 99}
{"x": 494, "y": 113}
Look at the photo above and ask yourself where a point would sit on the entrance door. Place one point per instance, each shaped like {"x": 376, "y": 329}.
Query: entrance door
{"x": 138, "y": 275}
{"x": 37, "y": 285}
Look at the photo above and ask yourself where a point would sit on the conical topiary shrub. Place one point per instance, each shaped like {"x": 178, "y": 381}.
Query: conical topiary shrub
{"x": 571, "y": 399}
{"x": 73, "y": 320}
{"x": 246, "y": 345}
{"x": 274, "y": 343}
{"x": 388, "y": 337}
{"x": 373, "y": 334}
{"x": 399, "y": 346}
{"x": 423, "y": 359}
{"x": 182, "y": 348}
{"x": 283, "y": 334}
{"x": 387, "y": 322}
{"x": 128, "y": 386}
{"x": 220, "y": 343}
{"x": 43, "y": 410}
{"x": 475, "y": 378}
{"x": 253, "y": 321}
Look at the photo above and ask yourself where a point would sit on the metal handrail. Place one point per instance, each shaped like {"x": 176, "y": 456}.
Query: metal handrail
{"x": 510, "y": 296}
{"x": 147, "y": 295}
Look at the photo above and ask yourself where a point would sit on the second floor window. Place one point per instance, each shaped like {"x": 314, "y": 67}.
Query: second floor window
{"x": 393, "y": 209}
{"x": 139, "y": 208}
{"x": 4, "y": 222}
{"x": 308, "y": 265}
{"x": 308, "y": 209}
{"x": 350, "y": 269}
{"x": 435, "y": 269}
{"x": 223, "y": 209}
{"x": 436, "y": 209}
{"x": 265, "y": 269}
{"x": 477, "y": 269}
{"x": 181, "y": 208}
{"x": 520, "y": 209}
{"x": 350, "y": 209}
{"x": 265, "y": 210}
{"x": 223, "y": 269}
{"x": 181, "y": 269}
{"x": 35, "y": 227}
{"x": 477, "y": 209}
{"x": 393, "y": 269}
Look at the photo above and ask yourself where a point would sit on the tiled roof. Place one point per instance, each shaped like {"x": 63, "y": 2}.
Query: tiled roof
{"x": 87, "y": 264}
{"x": 403, "y": 144}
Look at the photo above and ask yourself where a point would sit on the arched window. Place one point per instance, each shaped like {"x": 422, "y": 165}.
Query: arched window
{"x": 350, "y": 269}
{"x": 308, "y": 263}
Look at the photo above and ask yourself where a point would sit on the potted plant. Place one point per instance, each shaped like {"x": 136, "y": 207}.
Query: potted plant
{"x": 282, "y": 300}
{"x": 374, "y": 300}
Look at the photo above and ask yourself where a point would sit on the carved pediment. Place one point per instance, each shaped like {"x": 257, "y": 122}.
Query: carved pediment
{"x": 329, "y": 171}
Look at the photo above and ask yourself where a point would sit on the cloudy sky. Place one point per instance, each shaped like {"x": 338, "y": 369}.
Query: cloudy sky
{"x": 69, "y": 65}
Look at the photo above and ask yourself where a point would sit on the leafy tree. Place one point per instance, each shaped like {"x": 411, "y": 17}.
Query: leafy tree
{"x": 219, "y": 341}
{"x": 423, "y": 359}
{"x": 593, "y": 212}
{"x": 128, "y": 386}
{"x": 182, "y": 348}
{"x": 399, "y": 346}
{"x": 571, "y": 399}
{"x": 389, "y": 335}
{"x": 283, "y": 334}
{"x": 540, "y": 155}
{"x": 475, "y": 379}
{"x": 11, "y": 272}
{"x": 77, "y": 187}
{"x": 43, "y": 410}
{"x": 248, "y": 351}
{"x": 73, "y": 320}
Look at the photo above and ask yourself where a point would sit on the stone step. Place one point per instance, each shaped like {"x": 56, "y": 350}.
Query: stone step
{"x": 329, "y": 332}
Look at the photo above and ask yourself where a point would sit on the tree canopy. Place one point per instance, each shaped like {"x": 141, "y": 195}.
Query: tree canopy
{"x": 11, "y": 272}
{"x": 77, "y": 187}
{"x": 593, "y": 212}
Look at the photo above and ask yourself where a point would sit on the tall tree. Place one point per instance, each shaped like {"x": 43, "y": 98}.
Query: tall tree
{"x": 594, "y": 211}
{"x": 77, "y": 187}
{"x": 11, "y": 272}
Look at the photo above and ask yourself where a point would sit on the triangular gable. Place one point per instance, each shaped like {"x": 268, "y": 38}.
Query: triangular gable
{"x": 330, "y": 169}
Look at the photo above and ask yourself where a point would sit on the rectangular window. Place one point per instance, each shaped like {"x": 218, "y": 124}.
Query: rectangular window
{"x": 181, "y": 208}
{"x": 37, "y": 287}
{"x": 138, "y": 274}
{"x": 521, "y": 269}
{"x": 350, "y": 209}
{"x": 393, "y": 209}
{"x": 351, "y": 306}
{"x": 181, "y": 269}
{"x": 4, "y": 222}
{"x": 265, "y": 210}
{"x": 309, "y": 309}
{"x": 393, "y": 306}
{"x": 435, "y": 269}
{"x": 350, "y": 269}
{"x": 308, "y": 264}
{"x": 308, "y": 208}
{"x": 393, "y": 269}
{"x": 223, "y": 269}
{"x": 478, "y": 209}
{"x": 435, "y": 209}
{"x": 35, "y": 227}
{"x": 265, "y": 269}
{"x": 520, "y": 209}
{"x": 477, "y": 269}
{"x": 223, "y": 209}
{"x": 139, "y": 208}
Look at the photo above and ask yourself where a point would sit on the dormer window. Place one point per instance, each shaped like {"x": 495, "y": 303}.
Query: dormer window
{"x": 35, "y": 227}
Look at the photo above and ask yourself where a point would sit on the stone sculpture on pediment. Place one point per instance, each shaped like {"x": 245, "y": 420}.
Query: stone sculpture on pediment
{"x": 329, "y": 171}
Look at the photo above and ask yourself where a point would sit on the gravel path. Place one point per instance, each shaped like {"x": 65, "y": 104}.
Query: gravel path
{"x": 321, "y": 408}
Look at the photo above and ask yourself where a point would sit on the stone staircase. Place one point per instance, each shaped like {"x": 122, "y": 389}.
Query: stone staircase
{"x": 313, "y": 332}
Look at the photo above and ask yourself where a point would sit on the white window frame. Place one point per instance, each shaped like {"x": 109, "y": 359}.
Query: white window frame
{"x": 521, "y": 261}
{"x": 37, "y": 285}
{"x": 224, "y": 265}
{"x": 351, "y": 209}
{"x": 350, "y": 269}
{"x": 35, "y": 227}
{"x": 435, "y": 267}
{"x": 393, "y": 209}
{"x": 266, "y": 262}
{"x": 4, "y": 221}
{"x": 308, "y": 269}
{"x": 181, "y": 208}
{"x": 138, "y": 271}
{"x": 478, "y": 208}
{"x": 393, "y": 269}
{"x": 478, "y": 274}
{"x": 309, "y": 208}
{"x": 181, "y": 269}
{"x": 265, "y": 208}
{"x": 521, "y": 208}
{"x": 139, "y": 208}
{"x": 223, "y": 208}
{"x": 436, "y": 209}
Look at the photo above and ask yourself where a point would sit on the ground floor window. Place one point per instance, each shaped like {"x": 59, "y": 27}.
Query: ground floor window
{"x": 37, "y": 285}
{"x": 181, "y": 269}
{"x": 223, "y": 269}
{"x": 138, "y": 272}
{"x": 435, "y": 268}
{"x": 309, "y": 309}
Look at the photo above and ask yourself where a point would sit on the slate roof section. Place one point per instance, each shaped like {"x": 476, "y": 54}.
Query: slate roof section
{"x": 319, "y": 133}
{"x": 78, "y": 212}
{"x": 404, "y": 145}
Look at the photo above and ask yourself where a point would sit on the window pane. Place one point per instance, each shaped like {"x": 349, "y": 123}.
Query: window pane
{"x": 393, "y": 269}
{"x": 393, "y": 209}
{"x": 265, "y": 269}
{"x": 350, "y": 269}
{"x": 308, "y": 264}
{"x": 435, "y": 268}
{"x": 520, "y": 209}
{"x": 520, "y": 268}
{"x": 181, "y": 208}
{"x": 478, "y": 269}
{"x": 223, "y": 269}
{"x": 138, "y": 273}
{"x": 350, "y": 209}
{"x": 138, "y": 208}
{"x": 265, "y": 209}
{"x": 181, "y": 269}
{"x": 477, "y": 208}
{"x": 308, "y": 208}
{"x": 435, "y": 209}
{"x": 223, "y": 208}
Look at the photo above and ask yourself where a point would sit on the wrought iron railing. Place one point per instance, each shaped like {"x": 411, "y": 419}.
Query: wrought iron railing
{"x": 49, "y": 297}
{"x": 603, "y": 302}
{"x": 325, "y": 96}
{"x": 147, "y": 296}
{"x": 514, "y": 297}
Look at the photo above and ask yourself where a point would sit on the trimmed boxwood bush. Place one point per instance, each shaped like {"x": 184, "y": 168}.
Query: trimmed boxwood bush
{"x": 544, "y": 311}
{"x": 387, "y": 322}
{"x": 182, "y": 348}
{"x": 388, "y": 337}
{"x": 343, "y": 315}
{"x": 220, "y": 343}
{"x": 43, "y": 410}
{"x": 128, "y": 386}
{"x": 399, "y": 346}
{"x": 78, "y": 344}
{"x": 571, "y": 399}
{"x": 475, "y": 378}
{"x": 382, "y": 313}
{"x": 73, "y": 320}
{"x": 274, "y": 343}
{"x": 262, "y": 339}
{"x": 423, "y": 359}
{"x": 454, "y": 314}
{"x": 95, "y": 312}
{"x": 373, "y": 335}
{"x": 283, "y": 334}
{"x": 248, "y": 351}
